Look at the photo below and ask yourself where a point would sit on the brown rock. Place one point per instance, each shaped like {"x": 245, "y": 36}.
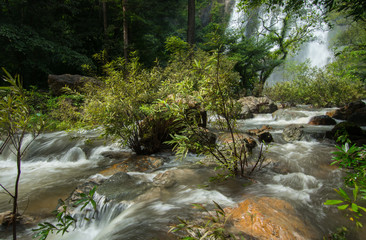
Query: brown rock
{"x": 269, "y": 218}
{"x": 345, "y": 112}
{"x": 264, "y": 128}
{"x": 74, "y": 82}
{"x": 358, "y": 117}
{"x": 265, "y": 137}
{"x": 353, "y": 131}
{"x": 249, "y": 142}
{"x": 134, "y": 163}
{"x": 258, "y": 104}
{"x": 6, "y": 218}
{"x": 322, "y": 120}
{"x": 292, "y": 133}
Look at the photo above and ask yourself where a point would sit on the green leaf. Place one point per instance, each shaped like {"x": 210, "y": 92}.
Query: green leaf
{"x": 355, "y": 192}
{"x": 333, "y": 202}
{"x": 343, "y": 207}
{"x": 343, "y": 194}
{"x": 354, "y": 207}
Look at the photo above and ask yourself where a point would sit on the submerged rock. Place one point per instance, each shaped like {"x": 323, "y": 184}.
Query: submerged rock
{"x": 293, "y": 133}
{"x": 134, "y": 163}
{"x": 322, "y": 120}
{"x": 123, "y": 187}
{"x": 269, "y": 218}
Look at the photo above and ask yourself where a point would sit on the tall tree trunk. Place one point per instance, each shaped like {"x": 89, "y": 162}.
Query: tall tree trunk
{"x": 191, "y": 21}
{"x": 105, "y": 25}
{"x": 125, "y": 30}
{"x": 16, "y": 192}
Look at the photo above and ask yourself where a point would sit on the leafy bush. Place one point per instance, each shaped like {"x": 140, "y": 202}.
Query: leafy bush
{"x": 124, "y": 100}
{"x": 352, "y": 158}
{"x": 212, "y": 85}
{"x": 318, "y": 87}
{"x": 61, "y": 112}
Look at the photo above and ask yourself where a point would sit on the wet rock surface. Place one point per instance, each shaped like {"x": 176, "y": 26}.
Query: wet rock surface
{"x": 269, "y": 218}
{"x": 354, "y": 132}
{"x": 134, "y": 163}
{"x": 293, "y": 133}
{"x": 123, "y": 187}
{"x": 358, "y": 117}
{"x": 243, "y": 138}
{"x": 262, "y": 134}
{"x": 6, "y": 219}
{"x": 322, "y": 120}
{"x": 354, "y": 112}
{"x": 252, "y": 105}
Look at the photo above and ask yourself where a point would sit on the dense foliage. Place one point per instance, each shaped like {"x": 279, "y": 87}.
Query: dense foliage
{"x": 351, "y": 158}
{"x": 60, "y": 36}
{"x": 328, "y": 87}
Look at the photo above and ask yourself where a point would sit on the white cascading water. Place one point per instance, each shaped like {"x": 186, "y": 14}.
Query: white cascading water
{"x": 316, "y": 51}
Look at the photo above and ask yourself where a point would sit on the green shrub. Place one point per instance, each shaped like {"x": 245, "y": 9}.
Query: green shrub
{"x": 318, "y": 87}
{"x": 353, "y": 159}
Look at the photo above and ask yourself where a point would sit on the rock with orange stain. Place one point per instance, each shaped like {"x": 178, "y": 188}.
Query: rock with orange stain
{"x": 249, "y": 142}
{"x": 134, "y": 164}
{"x": 269, "y": 218}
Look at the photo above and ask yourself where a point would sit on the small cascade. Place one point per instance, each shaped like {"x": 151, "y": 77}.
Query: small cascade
{"x": 73, "y": 155}
{"x": 142, "y": 205}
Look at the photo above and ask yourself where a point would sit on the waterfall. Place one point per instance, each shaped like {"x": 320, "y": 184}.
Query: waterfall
{"x": 317, "y": 50}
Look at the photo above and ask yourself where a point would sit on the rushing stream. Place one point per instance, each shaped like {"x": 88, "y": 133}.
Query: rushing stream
{"x": 299, "y": 174}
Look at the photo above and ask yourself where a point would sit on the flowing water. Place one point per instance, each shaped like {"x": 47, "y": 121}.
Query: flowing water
{"x": 299, "y": 173}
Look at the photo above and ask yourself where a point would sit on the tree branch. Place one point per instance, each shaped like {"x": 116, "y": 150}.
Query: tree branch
{"x": 6, "y": 190}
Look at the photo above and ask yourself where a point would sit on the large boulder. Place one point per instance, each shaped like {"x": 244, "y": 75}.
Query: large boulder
{"x": 322, "y": 120}
{"x": 257, "y": 105}
{"x": 265, "y": 137}
{"x": 74, "y": 82}
{"x": 353, "y": 131}
{"x": 292, "y": 133}
{"x": 345, "y": 112}
{"x": 287, "y": 114}
{"x": 262, "y": 134}
{"x": 269, "y": 218}
{"x": 245, "y": 113}
{"x": 358, "y": 117}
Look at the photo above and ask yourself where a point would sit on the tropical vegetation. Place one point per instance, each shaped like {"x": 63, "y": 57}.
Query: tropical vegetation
{"x": 158, "y": 77}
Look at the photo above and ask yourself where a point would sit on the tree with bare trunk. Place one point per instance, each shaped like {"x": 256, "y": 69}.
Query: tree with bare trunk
{"x": 125, "y": 30}
{"x": 191, "y": 21}
{"x": 16, "y": 123}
